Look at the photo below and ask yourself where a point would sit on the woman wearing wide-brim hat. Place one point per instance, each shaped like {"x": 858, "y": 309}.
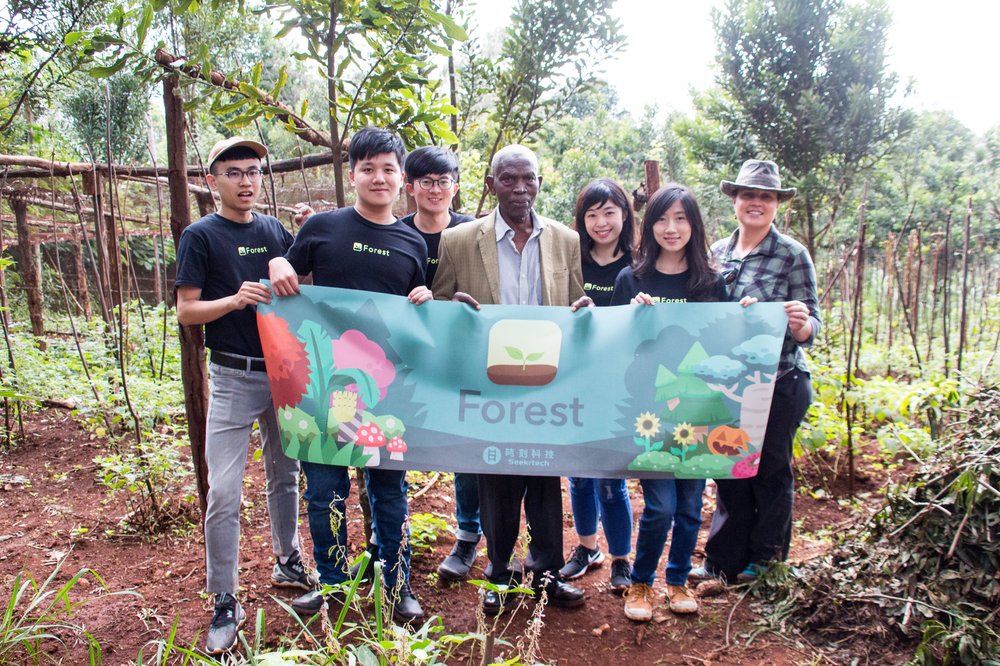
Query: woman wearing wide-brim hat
{"x": 752, "y": 524}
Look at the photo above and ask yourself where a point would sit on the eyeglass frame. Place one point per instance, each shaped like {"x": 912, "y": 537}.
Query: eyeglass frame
{"x": 235, "y": 175}
{"x": 428, "y": 184}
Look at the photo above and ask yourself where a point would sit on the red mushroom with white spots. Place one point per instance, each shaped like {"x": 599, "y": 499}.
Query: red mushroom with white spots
{"x": 371, "y": 438}
{"x": 396, "y": 448}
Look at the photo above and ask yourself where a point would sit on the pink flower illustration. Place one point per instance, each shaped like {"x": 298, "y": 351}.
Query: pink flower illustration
{"x": 354, "y": 350}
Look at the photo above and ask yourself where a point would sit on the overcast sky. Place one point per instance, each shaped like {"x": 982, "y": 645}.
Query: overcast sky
{"x": 949, "y": 50}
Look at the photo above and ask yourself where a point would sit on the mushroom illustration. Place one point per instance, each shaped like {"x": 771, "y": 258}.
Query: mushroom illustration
{"x": 371, "y": 438}
{"x": 396, "y": 448}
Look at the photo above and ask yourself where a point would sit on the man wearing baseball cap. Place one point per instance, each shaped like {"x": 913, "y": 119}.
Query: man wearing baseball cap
{"x": 220, "y": 261}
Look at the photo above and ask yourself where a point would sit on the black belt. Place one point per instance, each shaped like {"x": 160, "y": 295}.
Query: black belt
{"x": 237, "y": 362}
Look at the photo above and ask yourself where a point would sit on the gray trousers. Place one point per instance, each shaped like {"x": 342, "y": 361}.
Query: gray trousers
{"x": 236, "y": 399}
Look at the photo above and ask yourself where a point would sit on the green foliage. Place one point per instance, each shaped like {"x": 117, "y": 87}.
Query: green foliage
{"x": 810, "y": 81}
{"x": 36, "y": 617}
{"x": 116, "y": 107}
{"x": 424, "y": 530}
{"x": 153, "y": 478}
{"x": 369, "y": 640}
{"x": 924, "y": 568}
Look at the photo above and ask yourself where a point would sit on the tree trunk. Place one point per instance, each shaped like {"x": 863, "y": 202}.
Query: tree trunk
{"x": 92, "y": 187}
{"x": 193, "y": 374}
{"x": 29, "y": 269}
{"x": 82, "y": 290}
{"x": 331, "y": 91}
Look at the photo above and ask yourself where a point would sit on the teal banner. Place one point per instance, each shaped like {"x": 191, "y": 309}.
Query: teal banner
{"x": 673, "y": 389}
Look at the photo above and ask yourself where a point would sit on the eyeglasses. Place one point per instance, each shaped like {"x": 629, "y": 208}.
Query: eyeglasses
{"x": 236, "y": 175}
{"x": 429, "y": 183}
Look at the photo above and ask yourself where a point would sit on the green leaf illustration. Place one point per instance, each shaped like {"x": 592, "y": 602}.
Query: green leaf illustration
{"x": 533, "y": 357}
{"x": 514, "y": 353}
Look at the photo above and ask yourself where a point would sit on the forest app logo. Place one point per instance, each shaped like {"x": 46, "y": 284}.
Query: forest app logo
{"x": 523, "y": 352}
{"x": 245, "y": 251}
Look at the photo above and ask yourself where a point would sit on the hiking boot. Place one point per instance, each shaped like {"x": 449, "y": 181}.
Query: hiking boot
{"x": 405, "y": 607}
{"x": 293, "y": 574}
{"x": 582, "y": 559}
{"x": 456, "y": 566}
{"x": 750, "y": 574}
{"x": 680, "y": 600}
{"x": 639, "y": 602}
{"x": 226, "y": 623}
{"x": 621, "y": 575}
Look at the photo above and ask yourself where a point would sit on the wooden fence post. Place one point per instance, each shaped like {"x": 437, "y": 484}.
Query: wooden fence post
{"x": 193, "y": 374}
{"x": 29, "y": 269}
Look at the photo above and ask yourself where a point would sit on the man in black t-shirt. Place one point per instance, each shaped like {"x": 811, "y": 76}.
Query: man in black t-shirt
{"x": 220, "y": 260}
{"x": 432, "y": 180}
{"x": 362, "y": 247}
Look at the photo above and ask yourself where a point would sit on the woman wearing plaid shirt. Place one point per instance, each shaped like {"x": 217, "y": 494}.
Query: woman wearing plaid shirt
{"x": 752, "y": 524}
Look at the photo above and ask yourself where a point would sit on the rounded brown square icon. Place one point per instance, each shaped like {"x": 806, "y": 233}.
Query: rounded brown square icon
{"x": 523, "y": 352}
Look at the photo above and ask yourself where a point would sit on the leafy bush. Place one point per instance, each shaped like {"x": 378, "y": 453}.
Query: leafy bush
{"x": 924, "y": 570}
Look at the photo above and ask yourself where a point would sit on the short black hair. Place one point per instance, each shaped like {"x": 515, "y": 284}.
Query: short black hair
{"x": 371, "y": 141}
{"x": 233, "y": 154}
{"x": 597, "y": 193}
{"x": 428, "y": 160}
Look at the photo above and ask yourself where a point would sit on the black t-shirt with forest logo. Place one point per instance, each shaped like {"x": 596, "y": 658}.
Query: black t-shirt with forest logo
{"x": 218, "y": 255}
{"x": 599, "y": 281}
{"x": 343, "y": 249}
{"x": 434, "y": 240}
{"x": 663, "y": 287}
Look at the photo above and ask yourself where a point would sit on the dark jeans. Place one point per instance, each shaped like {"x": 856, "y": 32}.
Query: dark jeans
{"x": 669, "y": 502}
{"x": 467, "y": 507}
{"x": 327, "y": 487}
{"x": 752, "y": 523}
{"x": 500, "y": 498}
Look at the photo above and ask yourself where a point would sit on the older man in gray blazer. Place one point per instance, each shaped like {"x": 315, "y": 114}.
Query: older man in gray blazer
{"x": 514, "y": 256}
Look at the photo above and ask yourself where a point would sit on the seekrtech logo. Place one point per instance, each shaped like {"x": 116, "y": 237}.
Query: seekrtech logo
{"x": 523, "y": 352}
{"x": 365, "y": 247}
{"x": 247, "y": 251}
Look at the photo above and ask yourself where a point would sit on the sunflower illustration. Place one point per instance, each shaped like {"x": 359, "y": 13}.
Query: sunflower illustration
{"x": 647, "y": 424}
{"x": 685, "y": 433}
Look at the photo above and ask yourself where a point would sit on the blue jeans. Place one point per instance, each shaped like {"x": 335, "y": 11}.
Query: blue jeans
{"x": 607, "y": 498}
{"x": 676, "y": 501}
{"x": 237, "y": 398}
{"x": 467, "y": 507}
{"x": 327, "y": 487}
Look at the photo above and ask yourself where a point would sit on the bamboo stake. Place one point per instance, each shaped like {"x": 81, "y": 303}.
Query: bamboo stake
{"x": 946, "y": 296}
{"x": 965, "y": 285}
{"x": 854, "y": 347}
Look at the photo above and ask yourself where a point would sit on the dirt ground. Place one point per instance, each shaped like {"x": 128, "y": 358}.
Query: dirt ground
{"x": 51, "y": 508}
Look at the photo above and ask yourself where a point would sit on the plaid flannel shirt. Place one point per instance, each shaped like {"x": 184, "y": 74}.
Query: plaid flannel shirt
{"x": 778, "y": 269}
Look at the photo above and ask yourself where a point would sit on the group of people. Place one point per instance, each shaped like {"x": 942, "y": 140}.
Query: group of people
{"x": 511, "y": 256}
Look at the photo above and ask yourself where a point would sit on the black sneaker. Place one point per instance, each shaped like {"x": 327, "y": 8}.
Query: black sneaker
{"x": 226, "y": 623}
{"x": 582, "y": 559}
{"x": 456, "y": 566}
{"x": 621, "y": 575}
{"x": 293, "y": 574}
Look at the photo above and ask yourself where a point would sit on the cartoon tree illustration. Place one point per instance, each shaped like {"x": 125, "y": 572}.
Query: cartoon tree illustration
{"x": 755, "y": 399}
{"x": 688, "y": 398}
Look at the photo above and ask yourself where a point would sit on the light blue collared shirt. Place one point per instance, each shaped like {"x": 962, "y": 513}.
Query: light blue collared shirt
{"x": 520, "y": 272}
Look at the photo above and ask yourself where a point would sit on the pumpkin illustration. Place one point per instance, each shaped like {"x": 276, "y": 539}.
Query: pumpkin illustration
{"x": 728, "y": 441}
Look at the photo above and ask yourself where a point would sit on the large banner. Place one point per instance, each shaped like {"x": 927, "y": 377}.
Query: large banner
{"x": 673, "y": 389}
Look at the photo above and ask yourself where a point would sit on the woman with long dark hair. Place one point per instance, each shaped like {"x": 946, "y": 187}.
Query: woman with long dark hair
{"x": 604, "y": 221}
{"x": 673, "y": 266}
